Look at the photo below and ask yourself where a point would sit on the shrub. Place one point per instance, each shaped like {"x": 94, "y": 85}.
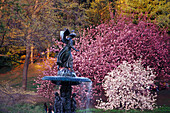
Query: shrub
{"x": 127, "y": 87}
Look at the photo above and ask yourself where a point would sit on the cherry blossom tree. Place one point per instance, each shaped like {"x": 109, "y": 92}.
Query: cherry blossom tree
{"x": 128, "y": 87}
{"x": 106, "y": 46}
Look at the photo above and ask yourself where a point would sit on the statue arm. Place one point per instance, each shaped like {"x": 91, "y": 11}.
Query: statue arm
{"x": 66, "y": 33}
{"x": 73, "y": 46}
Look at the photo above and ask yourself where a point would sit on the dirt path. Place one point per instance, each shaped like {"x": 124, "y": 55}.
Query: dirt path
{"x": 17, "y": 98}
{"x": 10, "y": 97}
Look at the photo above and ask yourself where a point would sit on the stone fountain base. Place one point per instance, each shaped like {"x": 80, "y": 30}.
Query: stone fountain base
{"x": 66, "y": 80}
{"x": 65, "y": 103}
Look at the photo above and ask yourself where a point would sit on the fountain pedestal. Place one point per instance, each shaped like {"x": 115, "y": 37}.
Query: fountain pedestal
{"x": 66, "y": 81}
{"x": 65, "y": 93}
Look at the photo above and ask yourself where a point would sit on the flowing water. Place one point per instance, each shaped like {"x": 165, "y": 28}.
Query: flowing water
{"x": 88, "y": 89}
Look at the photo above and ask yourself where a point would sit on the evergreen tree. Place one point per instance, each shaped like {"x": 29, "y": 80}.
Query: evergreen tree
{"x": 153, "y": 9}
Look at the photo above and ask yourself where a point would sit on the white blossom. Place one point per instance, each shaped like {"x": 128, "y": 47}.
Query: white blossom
{"x": 127, "y": 87}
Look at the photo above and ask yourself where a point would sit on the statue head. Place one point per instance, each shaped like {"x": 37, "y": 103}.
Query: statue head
{"x": 72, "y": 34}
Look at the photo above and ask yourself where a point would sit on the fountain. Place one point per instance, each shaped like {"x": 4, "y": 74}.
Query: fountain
{"x": 66, "y": 77}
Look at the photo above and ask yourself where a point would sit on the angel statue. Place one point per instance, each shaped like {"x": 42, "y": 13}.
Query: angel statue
{"x": 64, "y": 58}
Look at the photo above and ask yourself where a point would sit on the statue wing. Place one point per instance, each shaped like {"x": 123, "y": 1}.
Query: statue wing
{"x": 63, "y": 35}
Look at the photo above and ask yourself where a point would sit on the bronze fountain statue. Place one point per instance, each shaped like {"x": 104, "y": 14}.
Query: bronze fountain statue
{"x": 64, "y": 58}
{"x": 65, "y": 102}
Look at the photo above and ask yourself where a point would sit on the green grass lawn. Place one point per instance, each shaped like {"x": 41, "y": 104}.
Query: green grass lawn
{"x": 23, "y": 108}
{"x": 163, "y": 109}
{"x": 38, "y": 108}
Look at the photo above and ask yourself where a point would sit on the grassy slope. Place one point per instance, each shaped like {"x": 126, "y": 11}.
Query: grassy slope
{"x": 12, "y": 98}
{"x": 14, "y": 77}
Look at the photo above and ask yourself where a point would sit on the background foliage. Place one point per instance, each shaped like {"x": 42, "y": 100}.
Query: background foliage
{"x": 99, "y": 11}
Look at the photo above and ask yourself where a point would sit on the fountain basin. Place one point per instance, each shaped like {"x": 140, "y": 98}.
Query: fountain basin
{"x": 65, "y": 80}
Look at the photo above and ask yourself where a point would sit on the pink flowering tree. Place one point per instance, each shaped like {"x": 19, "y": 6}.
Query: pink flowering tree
{"x": 128, "y": 87}
{"x": 104, "y": 47}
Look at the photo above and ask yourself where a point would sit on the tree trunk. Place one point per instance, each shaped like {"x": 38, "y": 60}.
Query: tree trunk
{"x": 48, "y": 51}
{"x": 32, "y": 54}
{"x": 26, "y": 64}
